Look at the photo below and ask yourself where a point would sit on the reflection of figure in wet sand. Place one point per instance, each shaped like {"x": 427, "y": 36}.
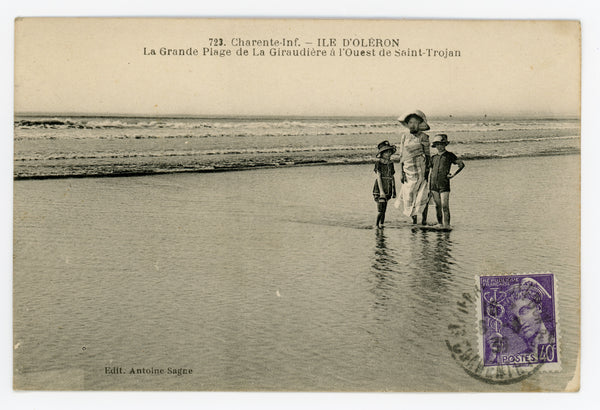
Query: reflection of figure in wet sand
{"x": 433, "y": 257}
{"x": 410, "y": 288}
{"x": 429, "y": 282}
{"x": 425, "y": 264}
{"x": 384, "y": 266}
{"x": 383, "y": 260}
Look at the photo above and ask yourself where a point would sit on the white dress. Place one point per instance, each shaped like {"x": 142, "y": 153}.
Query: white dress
{"x": 414, "y": 193}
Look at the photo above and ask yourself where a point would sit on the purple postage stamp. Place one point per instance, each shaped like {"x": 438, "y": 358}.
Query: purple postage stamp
{"x": 519, "y": 320}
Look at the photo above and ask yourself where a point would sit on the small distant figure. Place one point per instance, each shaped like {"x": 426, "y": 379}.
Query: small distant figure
{"x": 385, "y": 184}
{"x": 440, "y": 175}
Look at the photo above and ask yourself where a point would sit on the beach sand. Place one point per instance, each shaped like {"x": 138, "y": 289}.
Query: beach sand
{"x": 275, "y": 279}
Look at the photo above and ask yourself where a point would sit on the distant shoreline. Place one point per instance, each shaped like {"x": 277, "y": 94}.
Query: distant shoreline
{"x": 225, "y": 168}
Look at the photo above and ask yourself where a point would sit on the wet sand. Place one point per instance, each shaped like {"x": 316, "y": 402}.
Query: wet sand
{"x": 275, "y": 279}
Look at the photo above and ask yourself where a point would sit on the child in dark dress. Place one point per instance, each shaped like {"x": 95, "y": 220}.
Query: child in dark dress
{"x": 439, "y": 178}
{"x": 385, "y": 185}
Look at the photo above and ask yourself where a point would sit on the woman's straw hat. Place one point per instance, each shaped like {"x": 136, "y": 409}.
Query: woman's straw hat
{"x": 384, "y": 146}
{"x": 418, "y": 113}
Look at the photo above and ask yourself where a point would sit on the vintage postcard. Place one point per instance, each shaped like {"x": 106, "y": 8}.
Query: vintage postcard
{"x": 296, "y": 205}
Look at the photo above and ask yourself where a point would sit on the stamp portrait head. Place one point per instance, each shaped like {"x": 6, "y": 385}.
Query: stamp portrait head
{"x": 524, "y": 302}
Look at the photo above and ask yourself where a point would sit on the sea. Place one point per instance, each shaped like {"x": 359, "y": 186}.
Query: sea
{"x": 58, "y": 146}
{"x": 275, "y": 278}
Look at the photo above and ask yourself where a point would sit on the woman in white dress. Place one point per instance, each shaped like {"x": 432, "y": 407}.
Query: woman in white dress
{"x": 414, "y": 163}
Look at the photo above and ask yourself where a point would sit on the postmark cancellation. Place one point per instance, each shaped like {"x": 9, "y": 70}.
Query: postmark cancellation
{"x": 507, "y": 329}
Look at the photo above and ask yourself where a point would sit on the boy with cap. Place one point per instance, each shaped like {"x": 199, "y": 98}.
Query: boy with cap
{"x": 439, "y": 178}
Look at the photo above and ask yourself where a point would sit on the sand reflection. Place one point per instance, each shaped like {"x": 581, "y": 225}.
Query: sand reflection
{"x": 421, "y": 266}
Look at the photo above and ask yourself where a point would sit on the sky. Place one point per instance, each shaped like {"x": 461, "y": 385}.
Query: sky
{"x": 96, "y": 66}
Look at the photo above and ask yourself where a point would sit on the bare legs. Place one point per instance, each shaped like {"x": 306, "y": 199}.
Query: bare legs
{"x": 381, "y": 208}
{"x": 442, "y": 207}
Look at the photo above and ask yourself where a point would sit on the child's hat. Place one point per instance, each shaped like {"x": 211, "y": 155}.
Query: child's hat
{"x": 417, "y": 113}
{"x": 440, "y": 139}
{"x": 384, "y": 146}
